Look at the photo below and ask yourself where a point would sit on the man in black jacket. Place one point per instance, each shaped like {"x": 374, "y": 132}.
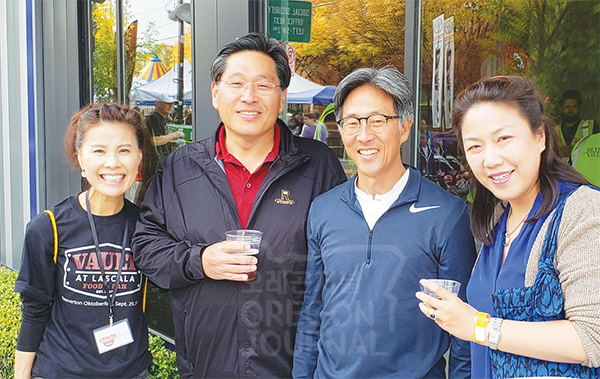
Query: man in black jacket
{"x": 251, "y": 174}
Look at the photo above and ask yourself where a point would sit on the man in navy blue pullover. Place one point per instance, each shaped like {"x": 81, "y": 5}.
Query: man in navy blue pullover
{"x": 370, "y": 241}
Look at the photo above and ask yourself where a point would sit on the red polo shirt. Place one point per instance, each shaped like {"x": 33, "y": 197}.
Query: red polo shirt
{"x": 244, "y": 184}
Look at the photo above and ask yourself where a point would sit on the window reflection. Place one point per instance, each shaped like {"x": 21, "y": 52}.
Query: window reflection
{"x": 160, "y": 89}
{"x": 345, "y": 35}
{"x": 555, "y": 43}
{"x": 104, "y": 47}
{"x": 161, "y": 82}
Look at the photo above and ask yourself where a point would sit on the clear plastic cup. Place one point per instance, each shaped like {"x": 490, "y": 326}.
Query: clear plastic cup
{"x": 252, "y": 237}
{"x": 450, "y": 285}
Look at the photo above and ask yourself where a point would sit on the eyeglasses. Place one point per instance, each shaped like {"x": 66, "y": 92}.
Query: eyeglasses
{"x": 375, "y": 122}
{"x": 261, "y": 88}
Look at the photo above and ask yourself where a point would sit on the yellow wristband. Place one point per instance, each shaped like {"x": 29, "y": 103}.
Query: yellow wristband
{"x": 481, "y": 321}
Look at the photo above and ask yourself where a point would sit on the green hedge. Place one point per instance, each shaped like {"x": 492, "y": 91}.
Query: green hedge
{"x": 163, "y": 364}
{"x": 10, "y": 320}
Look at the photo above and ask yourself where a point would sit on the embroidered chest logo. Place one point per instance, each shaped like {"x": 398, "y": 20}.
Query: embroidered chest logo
{"x": 284, "y": 198}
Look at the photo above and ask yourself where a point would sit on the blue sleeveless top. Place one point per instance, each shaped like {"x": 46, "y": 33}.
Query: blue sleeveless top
{"x": 506, "y": 296}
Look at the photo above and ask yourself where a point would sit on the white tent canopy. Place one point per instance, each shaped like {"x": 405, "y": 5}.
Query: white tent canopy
{"x": 299, "y": 84}
{"x": 303, "y": 91}
{"x": 168, "y": 83}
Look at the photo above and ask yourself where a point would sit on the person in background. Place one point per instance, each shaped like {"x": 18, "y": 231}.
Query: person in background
{"x": 533, "y": 305}
{"x": 427, "y": 164}
{"x": 572, "y": 128}
{"x": 159, "y": 142}
{"x": 295, "y": 125}
{"x": 370, "y": 241}
{"x": 314, "y": 128}
{"x": 72, "y": 305}
{"x": 251, "y": 174}
{"x": 585, "y": 158}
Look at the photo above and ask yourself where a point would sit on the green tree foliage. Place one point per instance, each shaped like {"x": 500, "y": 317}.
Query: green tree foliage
{"x": 170, "y": 53}
{"x": 349, "y": 34}
{"x": 365, "y": 33}
{"x": 163, "y": 360}
{"x": 105, "y": 50}
{"x": 10, "y": 321}
{"x": 554, "y": 42}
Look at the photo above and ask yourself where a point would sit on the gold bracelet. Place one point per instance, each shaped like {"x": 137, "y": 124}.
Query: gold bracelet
{"x": 481, "y": 321}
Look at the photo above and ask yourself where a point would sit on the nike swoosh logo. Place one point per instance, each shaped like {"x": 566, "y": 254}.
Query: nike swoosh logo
{"x": 414, "y": 209}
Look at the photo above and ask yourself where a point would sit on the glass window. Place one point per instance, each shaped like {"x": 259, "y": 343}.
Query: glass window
{"x": 104, "y": 52}
{"x": 162, "y": 80}
{"x": 346, "y": 35}
{"x": 156, "y": 80}
{"x": 161, "y": 90}
{"x": 555, "y": 43}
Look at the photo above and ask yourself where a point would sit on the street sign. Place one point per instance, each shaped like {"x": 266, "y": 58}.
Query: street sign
{"x": 291, "y": 53}
{"x": 289, "y": 20}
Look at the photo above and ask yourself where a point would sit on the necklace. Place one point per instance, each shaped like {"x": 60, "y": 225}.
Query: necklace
{"x": 507, "y": 234}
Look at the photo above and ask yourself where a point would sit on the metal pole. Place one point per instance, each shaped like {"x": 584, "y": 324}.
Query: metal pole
{"x": 179, "y": 110}
{"x": 120, "y": 53}
{"x": 412, "y": 60}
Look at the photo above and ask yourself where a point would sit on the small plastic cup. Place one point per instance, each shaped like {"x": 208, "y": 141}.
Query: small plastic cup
{"x": 450, "y": 285}
{"x": 252, "y": 237}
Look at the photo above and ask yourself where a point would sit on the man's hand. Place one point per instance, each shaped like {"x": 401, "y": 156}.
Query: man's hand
{"x": 177, "y": 134}
{"x": 221, "y": 261}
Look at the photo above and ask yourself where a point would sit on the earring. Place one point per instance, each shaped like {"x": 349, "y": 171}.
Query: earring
{"x": 83, "y": 175}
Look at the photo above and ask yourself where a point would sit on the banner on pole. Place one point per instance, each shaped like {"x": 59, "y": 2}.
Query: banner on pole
{"x": 449, "y": 71}
{"x": 438, "y": 71}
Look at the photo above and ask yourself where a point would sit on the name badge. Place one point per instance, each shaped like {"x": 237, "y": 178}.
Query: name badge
{"x": 113, "y": 336}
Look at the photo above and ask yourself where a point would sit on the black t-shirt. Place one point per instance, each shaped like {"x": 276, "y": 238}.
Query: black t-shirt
{"x": 74, "y": 288}
{"x": 157, "y": 126}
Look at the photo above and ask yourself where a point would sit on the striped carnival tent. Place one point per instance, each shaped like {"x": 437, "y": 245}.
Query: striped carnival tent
{"x": 153, "y": 70}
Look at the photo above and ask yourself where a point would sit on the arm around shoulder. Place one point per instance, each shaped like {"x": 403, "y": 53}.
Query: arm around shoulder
{"x": 169, "y": 262}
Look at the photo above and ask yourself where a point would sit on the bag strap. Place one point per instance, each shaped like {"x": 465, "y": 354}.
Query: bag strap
{"x": 551, "y": 237}
{"x": 145, "y": 293}
{"x": 53, "y": 220}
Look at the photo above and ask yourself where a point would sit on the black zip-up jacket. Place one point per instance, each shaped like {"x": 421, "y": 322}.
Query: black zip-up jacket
{"x": 226, "y": 329}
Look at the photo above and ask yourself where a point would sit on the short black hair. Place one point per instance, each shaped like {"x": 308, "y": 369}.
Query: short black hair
{"x": 571, "y": 94}
{"x": 387, "y": 79}
{"x": 254, "y": 42}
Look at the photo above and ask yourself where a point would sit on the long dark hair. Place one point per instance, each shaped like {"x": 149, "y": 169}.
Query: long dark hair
{"x": 520, "y": 94}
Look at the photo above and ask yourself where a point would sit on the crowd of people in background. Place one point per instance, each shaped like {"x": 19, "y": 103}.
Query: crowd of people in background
{"x": 335, "y": 289}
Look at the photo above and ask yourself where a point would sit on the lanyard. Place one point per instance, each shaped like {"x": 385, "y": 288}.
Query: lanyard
{"x": 111, "y": 299}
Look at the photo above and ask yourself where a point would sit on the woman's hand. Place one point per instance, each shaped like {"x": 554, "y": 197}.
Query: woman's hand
{"x": 451, "y": 313}
{"x": 23, "y": 364}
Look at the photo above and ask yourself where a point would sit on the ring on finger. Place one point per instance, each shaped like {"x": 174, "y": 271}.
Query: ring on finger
{"x": 432, "y": 314}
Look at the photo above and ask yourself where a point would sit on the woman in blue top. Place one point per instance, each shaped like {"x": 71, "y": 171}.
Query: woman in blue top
{"x": 534, "y": 304}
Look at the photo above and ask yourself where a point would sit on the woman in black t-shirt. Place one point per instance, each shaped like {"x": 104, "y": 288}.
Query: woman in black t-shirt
{"x": 81, "y": 293}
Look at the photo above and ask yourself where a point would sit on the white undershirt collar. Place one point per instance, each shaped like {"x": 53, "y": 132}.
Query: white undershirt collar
{"x": 374, "y": 208}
